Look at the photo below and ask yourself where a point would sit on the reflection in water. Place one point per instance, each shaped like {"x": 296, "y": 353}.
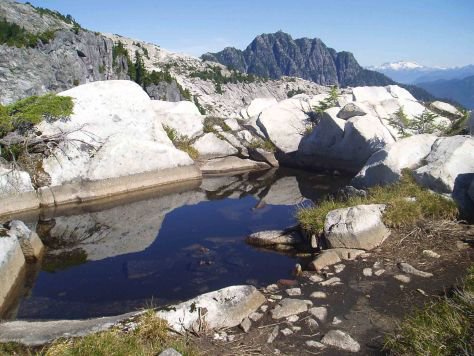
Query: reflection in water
{"x": 113, "y": 259}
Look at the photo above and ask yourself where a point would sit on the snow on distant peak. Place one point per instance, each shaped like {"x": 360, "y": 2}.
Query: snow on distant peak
{"x": 401, "y": 65}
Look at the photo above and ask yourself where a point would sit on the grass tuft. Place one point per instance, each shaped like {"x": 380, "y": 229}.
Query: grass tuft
{"x": 181, "y": 142}
{"x": 441, "y": 328}
{"x": 266, "y": 145}
{"x": 407, "y": 203}
{"x": 149, "y": 338}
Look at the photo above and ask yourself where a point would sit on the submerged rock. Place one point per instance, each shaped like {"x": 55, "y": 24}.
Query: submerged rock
{"x": 275, "y": 238}
{"x": 223, "y": 308}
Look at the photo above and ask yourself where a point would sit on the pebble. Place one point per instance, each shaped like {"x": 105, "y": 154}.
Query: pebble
{"x": 367, "y": 272}
{"x": 169, "y": 352}
{"x": 292, "y": 292}
{"x": 431, "y": 254}
{"x": 377, "y": 265}
{"x": 316, "y": 278}
{"x": 276, "y": 297}
{"x": 379, "y": 272}
{"x": 315, "y": 344}
{"x": 318, "y": 295}
{"x": 296, "y": 328}
{"x": 245, "y": 325}
{"x": 286, "y": 332}
{"x": 339, "y": 268}
{"x": 331, "y": 281}
{"x": 336, "y": 321}
{"x": 319, "y": 313}
{"x": 273, "y": 335}
{"x": 422, "y": 292}
{"x": 255, "y": 316}
{"x": 264, "y": 308}
{"x": 272, "y": 288}
{"x": 402, "y": 278}
{"x": 311, "y": 323}
{"x": 293, "y": 318}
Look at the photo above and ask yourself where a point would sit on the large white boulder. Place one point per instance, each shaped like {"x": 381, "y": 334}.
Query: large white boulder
{"x": 114, "y": 131}
{"x": 13, "y": 181}
{"x": 371, "y": 95}
{"x": 385, "y": 166}
{"x": 445, "y": 108}
{"x": 183, "y": 116}
{"x": 210, "y": 146}
{"x": 12, "y": 262}
{"x": 358, "y": 227}
{"x": 345, "y": 145}
{"x": 284, "y": 124}
{"x": 257, "y": 106}
{"x": 224, "y": 308}
{"x": 449, "y": 160}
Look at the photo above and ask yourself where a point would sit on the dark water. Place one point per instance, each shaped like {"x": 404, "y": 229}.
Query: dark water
{"x": 106, "y": 260}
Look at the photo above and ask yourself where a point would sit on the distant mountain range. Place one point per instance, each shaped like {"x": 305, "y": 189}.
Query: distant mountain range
{"x": 277, "y": 54}
{"x": 460, "y": 90}
{"x": 448, "y": 83}
{"x": 413, "y": 73}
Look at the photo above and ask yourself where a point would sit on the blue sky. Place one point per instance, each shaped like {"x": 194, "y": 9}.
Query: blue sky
{"x": 430, "y": 32}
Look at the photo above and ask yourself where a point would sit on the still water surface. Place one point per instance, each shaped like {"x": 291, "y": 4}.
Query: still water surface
{"x": 107, "y": 260}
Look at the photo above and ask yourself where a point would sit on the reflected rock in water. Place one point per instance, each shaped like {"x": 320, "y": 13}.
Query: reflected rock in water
{"x": 285, "y": 191}
{"x": 119, "y": 230}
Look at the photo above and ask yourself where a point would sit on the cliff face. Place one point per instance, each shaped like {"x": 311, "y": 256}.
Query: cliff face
{"x": 276, "y": 55}
{"x": 71, "y": 57}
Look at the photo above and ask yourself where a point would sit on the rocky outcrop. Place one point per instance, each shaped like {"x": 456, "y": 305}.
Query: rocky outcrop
{"x": 385, "y": 166}
{"x": 449, "y": 162}
{"x": 13, "y": 182}
{"x": 359, "y": 227}
{"x": 224, "y": 308}
{"x": 30, "y": 243}
{"x": 69, "y": 59}
{"x": 445, "y": 108}
{"x": 231, "y": 164}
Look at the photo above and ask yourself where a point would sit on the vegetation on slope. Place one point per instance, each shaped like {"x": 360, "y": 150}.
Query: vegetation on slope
{"x": 15, "y": 36}
{"x": 30, "y": 111}
{"x": 441, "y": 328}
{"x": 181, "y": 142}
{"x": 407, "y": 203}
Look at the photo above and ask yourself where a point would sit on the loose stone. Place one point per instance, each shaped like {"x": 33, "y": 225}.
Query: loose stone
{"x": 311, "y": 323}
{"x": 432, "y": 254}
{"x": 292, "y": 292}
{"x": 245, "y": 325}
{"x": 273, "y": 334}
{"x": 402, "y": 278}
{"x": 379, "y": 272}
{"x": 367, "y": 272}
{"x": 339, "y": 268}
{"x": 341, "y": 340}
{"x": 286, "y": 332}
{"x": 255, "y": 316}
{"x": 315, "y": 344}
{"x": 405, "y": 267}
{"x": 318, "y": 295}
{"x": 288, "y": 307}
{"x": 336, "y": 321}
{"x": 319, "y": 313}
{"x": 331, "y": 282}
{"x": 293, "y": 318}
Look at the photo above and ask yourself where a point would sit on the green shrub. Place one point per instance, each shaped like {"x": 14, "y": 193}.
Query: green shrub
{"x": 441, "y": 328}
{"x": 13, "y": 35}
{"x": 211, "y": 121}
{"x": 400, "y": 211}
{"x": 32, "y": 110}
{"x": 294, "y": 92}
{"x": 420, "y": 124}
{"x": 266, "y": 145}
